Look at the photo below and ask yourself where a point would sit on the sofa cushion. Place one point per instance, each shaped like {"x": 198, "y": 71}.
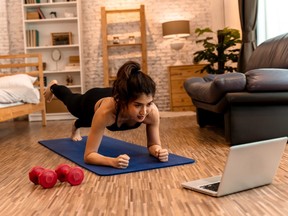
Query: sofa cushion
{"x": 267, "y": 79}
{"x": 212, "y": 88}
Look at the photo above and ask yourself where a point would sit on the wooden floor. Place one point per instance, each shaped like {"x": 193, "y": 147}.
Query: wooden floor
{"x": 153, "y": 193}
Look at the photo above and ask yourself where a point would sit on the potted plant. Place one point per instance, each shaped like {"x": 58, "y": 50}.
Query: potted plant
{"x": 219, "y": 54}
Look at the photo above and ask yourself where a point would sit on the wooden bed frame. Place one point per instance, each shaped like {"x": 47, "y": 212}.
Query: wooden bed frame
{"x": 30, "y": 64}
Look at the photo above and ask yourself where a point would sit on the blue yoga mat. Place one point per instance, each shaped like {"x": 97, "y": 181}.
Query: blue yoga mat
{"x": 140, "y": 159}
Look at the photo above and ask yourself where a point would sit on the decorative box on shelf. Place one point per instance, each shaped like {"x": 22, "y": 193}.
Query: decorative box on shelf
{"x": 32, "y": 15}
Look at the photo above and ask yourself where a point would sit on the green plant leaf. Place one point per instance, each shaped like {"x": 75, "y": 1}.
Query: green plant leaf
{"x": 218, "y": 52}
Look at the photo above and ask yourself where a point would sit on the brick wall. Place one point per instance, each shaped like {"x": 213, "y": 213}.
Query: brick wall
{"x": 14, "y": 12}
{"x": 4, "y": 34}
{"x": 160, "y": 55}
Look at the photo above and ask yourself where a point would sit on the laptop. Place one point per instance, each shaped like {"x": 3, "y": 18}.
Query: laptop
{"x": 248, "y": 166}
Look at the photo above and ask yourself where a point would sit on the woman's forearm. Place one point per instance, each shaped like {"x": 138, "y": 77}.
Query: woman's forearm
{"x": 98, "y": 159}
{"x": 122, "y": 161}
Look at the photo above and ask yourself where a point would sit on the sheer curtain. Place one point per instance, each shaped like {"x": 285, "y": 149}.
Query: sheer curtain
{"x": 272, "y": 19}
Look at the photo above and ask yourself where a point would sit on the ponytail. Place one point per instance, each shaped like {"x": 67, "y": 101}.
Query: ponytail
{"x": 130, "y": 83}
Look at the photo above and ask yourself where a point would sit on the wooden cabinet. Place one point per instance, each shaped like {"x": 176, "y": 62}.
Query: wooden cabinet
{"x": 123, "y": 30}
{"x": 179, "y": 99}
{"x": 52, "y": 28}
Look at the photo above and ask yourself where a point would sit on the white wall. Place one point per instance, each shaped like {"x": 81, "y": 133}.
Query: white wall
{"x": 231, "y": 14}
{"x": 217, "y": 8}
{"x": 225, "y": 14}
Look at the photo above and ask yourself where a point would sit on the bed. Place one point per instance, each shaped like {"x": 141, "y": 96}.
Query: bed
{"x": 21, "y": 86}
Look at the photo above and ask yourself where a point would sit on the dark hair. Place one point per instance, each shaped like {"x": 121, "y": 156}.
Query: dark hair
{"x": 130, "y": 83}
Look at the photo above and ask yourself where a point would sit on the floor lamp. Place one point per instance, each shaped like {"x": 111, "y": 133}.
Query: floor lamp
{"x": 176, "y": 31}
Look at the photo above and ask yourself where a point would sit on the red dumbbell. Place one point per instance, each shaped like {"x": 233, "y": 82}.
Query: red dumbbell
{"x": 62, "y": 171}
{"x": 45, "y": 177}
{"x": 72, "y": 175}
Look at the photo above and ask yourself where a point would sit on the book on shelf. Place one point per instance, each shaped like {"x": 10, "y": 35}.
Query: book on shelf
{"x": 32, "y": 1}
{"x": 41, "y": 14}
{"x": 32, "y": 38}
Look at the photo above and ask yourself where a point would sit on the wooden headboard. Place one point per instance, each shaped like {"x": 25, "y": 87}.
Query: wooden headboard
{"x": 30, "y": 64}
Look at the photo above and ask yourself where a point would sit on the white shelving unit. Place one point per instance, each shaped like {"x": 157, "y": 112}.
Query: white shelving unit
{"x": 67, "y": 20}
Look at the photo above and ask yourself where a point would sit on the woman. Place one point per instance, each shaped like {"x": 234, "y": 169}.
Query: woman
{"x": 125, "y": 106}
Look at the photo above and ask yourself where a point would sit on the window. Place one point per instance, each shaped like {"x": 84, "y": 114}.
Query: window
{"x": 272, "y": 19}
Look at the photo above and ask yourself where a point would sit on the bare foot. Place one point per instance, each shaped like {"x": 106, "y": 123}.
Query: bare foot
{"x": 76, "y": 133}
{"x": 47, "y": 93}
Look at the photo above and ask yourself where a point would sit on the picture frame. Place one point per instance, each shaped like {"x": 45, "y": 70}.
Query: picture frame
{"x": 61, "y": 38}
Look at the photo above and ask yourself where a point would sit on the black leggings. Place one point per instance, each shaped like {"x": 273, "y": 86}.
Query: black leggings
{"x": 80, "y": 105}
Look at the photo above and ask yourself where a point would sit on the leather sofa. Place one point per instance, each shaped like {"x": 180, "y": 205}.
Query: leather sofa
{"x": 251, "y": 105}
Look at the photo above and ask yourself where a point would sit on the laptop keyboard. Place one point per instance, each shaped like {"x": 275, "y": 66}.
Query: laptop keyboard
{"x": 212, "y": 187}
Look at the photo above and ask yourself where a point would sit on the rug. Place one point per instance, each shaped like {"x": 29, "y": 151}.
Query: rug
{"x": 140, "y": 159}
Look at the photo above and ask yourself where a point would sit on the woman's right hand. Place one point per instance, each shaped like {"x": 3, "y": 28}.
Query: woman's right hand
{"x": 122, "y": 161}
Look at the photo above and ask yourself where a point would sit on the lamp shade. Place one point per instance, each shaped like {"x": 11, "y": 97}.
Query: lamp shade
{"x": 178, "y": 28}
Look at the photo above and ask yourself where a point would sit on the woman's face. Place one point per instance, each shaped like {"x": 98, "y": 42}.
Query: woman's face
{"x": 140, "y": 108}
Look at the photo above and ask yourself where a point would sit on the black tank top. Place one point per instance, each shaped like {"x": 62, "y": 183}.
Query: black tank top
{"x": 114, "y": 127}
{"x": 123, "y": 127}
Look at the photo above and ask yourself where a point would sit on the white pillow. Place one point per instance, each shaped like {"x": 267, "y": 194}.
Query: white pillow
{"x": 19, "y": 94}
{"x": 18, "y": 80}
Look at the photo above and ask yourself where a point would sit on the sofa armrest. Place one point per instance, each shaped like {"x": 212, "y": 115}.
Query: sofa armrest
{"x": 267, "y": 79}
{"x": 212, "y": 90}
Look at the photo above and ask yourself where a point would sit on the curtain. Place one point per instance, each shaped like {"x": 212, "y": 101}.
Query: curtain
{"x": 248, "y": 17}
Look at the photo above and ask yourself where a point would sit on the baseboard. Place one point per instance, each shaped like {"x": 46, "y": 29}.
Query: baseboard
{"x": 51, "y": 116}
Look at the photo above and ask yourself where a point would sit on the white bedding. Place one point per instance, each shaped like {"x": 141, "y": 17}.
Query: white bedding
{"x": 10, "y": 105}
{"x": 18, "y": 88}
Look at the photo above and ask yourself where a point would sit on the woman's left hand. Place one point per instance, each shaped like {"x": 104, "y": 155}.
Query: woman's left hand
{"x": 162, "y": 155}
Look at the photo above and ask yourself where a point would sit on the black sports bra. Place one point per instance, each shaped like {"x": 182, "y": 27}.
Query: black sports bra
{"x": 114, "y": 126}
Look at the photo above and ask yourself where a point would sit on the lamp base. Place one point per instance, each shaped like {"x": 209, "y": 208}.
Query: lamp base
{"x": 178, "y": 62}
{"x": 177, "y": 44}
